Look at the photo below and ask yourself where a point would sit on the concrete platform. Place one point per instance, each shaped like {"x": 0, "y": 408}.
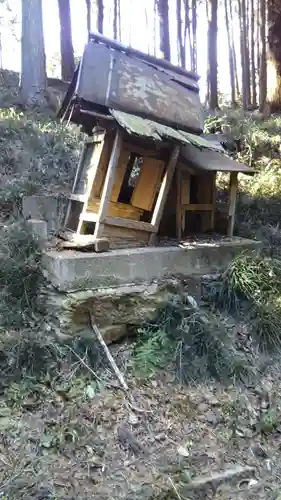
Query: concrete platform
{"x": 70, "y": 271}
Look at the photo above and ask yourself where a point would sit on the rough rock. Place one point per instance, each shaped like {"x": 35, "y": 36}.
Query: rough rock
{"x": 117, "y": 311}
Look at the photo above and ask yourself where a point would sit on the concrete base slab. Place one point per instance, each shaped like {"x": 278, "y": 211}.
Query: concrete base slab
{"x": 70, "y": 271}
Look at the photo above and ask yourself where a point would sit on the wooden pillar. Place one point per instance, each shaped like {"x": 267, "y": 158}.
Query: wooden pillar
{"x": 179, "y": 203}
{"x": 213, "y": 213}
{"x": 108, "y": 183}
{"x": 232, "y": 202}
{"x": 163, "y": 193}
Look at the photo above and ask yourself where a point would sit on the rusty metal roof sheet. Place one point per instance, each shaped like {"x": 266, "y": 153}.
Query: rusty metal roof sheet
{"x": 196, "y": 151}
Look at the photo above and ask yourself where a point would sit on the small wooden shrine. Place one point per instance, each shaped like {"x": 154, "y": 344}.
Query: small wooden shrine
{"x": 145, "y": 170}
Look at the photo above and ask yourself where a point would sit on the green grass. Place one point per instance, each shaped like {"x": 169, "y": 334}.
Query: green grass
{"x": 251, "y": 287}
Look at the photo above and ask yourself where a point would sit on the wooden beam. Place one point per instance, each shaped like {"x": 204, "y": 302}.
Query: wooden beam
{"x": 130, "y": 224}
{"x": 232, "y": 202}
{"x": 109, "y": 181}
{"x": 179, "y": 210}
{"x": 164, "y": 190}
{"x": 198, "y": 207}
{"x": 213, "y": 214}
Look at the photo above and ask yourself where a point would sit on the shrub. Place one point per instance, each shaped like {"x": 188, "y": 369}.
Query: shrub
{"x": 21, "y": 276}
{"x": 195, "y": 343}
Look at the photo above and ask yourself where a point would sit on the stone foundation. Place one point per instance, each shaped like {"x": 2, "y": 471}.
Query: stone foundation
{"x": 124, "y": 289}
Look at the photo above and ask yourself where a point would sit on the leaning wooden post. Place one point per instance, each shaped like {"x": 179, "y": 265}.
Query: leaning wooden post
{"x": 163, "y": 193}
{"x": 108, "y": 183}
{"x": 232, "y": 202}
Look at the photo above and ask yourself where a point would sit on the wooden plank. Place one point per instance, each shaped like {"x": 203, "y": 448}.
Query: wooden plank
{"x": 109, "y": 181}
{"x": 88, "y": 217}
{"x": 130, "y": 224}
{"x": 164, "y": 190}
{"x": 147, "y": 183}
{"x": 91, "y": 176}
{"x": 119, "y": 176}
{"x": 213, "y": 215}
{"x": 198, "y": 207}
{"x": 232, "y": 202}
{"x": 116, "y": 209}
{"x": 77, "y": 197}
{"x": 179, "y": 200}
{"x": 96, "y": 187}
{"x": 122, "y": 237}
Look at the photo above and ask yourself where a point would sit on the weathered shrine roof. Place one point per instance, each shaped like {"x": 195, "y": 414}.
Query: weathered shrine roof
{"x": 196, "y": 151}
{"x": 150, "y": 129}
{"x": 111, "y": 75}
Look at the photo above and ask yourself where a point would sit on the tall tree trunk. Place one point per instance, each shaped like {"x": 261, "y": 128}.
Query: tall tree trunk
{"x": 212, "y": 54}
{"x": 253, "y": 56}
{"x": 247, "y": 52}
{"x": 163, "y": 13}
{"x": 234, "y": 50}
{"x": 188, "y": 31}
{"x": 181, "y": 51}
{"x": 1, "y": 53}
{"x": 194, "y": 36}
{"x": 230, "y": 55}
{"x": 155, "y": 28}
{"x": 100, "y": 15}
{"x": 33, "y": 59}
{"x": 88, "y": 12}
{"x": 244, "y": 54}
{"x": 66, "y": 47}
{"x": 274, "y": 56}
{"x": 263, "y": 66}
{"x": 115, "y": 19}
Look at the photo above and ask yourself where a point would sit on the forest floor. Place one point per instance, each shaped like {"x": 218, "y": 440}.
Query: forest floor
{"x": 65, "y": 432}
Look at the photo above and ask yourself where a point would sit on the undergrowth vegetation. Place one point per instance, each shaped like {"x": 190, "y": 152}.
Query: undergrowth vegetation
{"x": 196, "y": 344}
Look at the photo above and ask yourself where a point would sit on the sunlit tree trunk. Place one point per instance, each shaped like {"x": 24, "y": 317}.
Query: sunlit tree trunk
{"x": 100, "y": 10}
{"x": 33, "y": 59}
{"x": 115, "y": 18}
{"x": 253, "y": 55}
{"x": 274, "y": 55}
{"x": 234, "y": 49}
{"x": 230, "y": 55}
{"x": 181, "y": 48}
{"x": 163, "y": 13}
{"x": 244, "y": 54}
{"x": 194, "y": 36}
{"x": 188, "y": 31}
{"x": 88, "y": 12}
{"x": 66, "y": 46}
{"x": 212, "y": 54}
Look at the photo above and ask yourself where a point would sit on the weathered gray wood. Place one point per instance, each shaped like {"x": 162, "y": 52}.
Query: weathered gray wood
{"x": 132, "y": 85}
{"x": 232, "y": 202}
{"x": 164, "y": 190}
{"x": 130, "y": 224}
{"x": 109, "y": 181}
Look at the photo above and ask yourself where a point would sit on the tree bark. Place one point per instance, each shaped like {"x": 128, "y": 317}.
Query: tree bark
{"x": 263, "y": 65}
{"x": 33, "y": 60}
{"x": 100, "y": 15}
{"x": 234, "y": 50}
{"x": 181, "y": 51}
{"x": 230, "y": 55}
{"x": 274, "y": 55}
{"x": 244, "y": 54}
{"x": 212, "y": 54}
{"x": 163, "y": 13}
{"x": 66, "y": 46}
{"x": 188, "y": 31}
{"x": 253, "y": 56}
{"x": 194, "y": 36}
{"x": 88, "y": 12}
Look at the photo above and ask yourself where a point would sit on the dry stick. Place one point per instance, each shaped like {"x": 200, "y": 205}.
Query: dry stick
{"x": 108, "y": 354}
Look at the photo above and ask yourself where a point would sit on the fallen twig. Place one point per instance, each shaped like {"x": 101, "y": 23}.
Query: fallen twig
{"x": 114, "y": 366}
